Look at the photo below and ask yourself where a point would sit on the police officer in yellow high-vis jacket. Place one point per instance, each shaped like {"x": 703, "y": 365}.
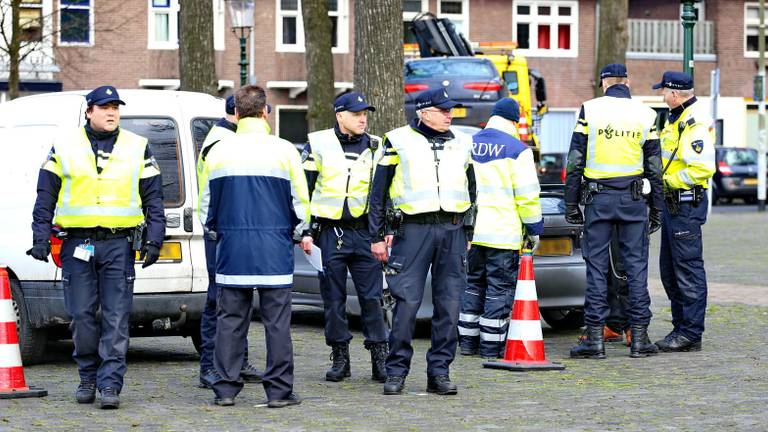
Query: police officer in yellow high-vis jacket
{"x": 613, "y": 149}
{"x": 340, "y": 164}
{"x": 508, "y": 214}
{"x": 99, "y": 183}
{"x": 427, "y": 173}
{"x": 688, "y": 155}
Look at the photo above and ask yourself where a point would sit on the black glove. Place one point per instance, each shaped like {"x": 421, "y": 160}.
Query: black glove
{"x": 573, "y": 214}
{"x": 40, "y": 250}
{"x": 654, "y": 220}
{"x": 149, "y": 253}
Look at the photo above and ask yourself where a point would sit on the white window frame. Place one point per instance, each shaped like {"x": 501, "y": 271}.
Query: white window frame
{"x": 755, "y": 25}
{"x": 409, "y": 16}
{"x": 463, "y": 17}
{"x": 173, "y": 26}
{"x": 91, "y": 16}
{"x": 533, "y": 20}
{"x": 219, "y": 25}
{"x": 342, "y": 25}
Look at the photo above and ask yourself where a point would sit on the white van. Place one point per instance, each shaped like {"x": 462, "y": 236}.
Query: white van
{"x": 169, "y": 296}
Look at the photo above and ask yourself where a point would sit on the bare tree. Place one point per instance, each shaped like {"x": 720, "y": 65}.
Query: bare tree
{"x": 197, "y": 68}
{"x": 613, "y": 37}
{"x": 12, "y": 45}
{"x": 379, "y": 61}
{"x": 317, "y": 40}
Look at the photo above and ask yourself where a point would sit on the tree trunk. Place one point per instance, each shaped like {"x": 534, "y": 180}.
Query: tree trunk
{"x": 197, "y": 67}
{"x": 14, "y": 51}
{"x": 317, "y": 41}
{"x": 613, "y": 37}
{"x": 379, "y": 61}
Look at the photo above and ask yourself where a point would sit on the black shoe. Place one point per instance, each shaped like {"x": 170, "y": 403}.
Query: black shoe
{"x": 109, "y": 398}
{"x": 250, "y": 374}
{"x": 441, "y": 384}
{"x": 86, "y": 392}
{"x": 208, "y": 377}
{"x": 340, "y": 366}
{"x": 468, "y": 351}
{"x": 291, "y": 399}
{"x": 591, "y": 346}
{"x": 379, "y": 352}
{"x": 225, "y": 401}
{"x": 641, "y": 346}
{"x": 394, "y": 385}
{"x": 678, "y": 343}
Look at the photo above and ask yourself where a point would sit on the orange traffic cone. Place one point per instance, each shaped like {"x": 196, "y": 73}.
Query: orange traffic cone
{"x": 12, "y": 384}
{"x": 525, "y": 343}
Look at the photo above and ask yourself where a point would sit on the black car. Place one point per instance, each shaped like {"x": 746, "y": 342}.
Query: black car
{"x": 474, "y": 82}
{"x": 552, "y": 168}
{"x": 735, "y": 175}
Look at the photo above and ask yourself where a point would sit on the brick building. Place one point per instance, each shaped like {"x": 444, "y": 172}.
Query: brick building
{"x": 133, "y": 44}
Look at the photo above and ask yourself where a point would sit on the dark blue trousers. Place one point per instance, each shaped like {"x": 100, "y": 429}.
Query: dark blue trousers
{"x": 487, "y": 299}
{"x": 98, "y": 295}
{"x": 618, "y": 296}
{"x": 355, "y": 255}
{"x": 441, "y": 248}
{"x": 609, "y": 209}
{"x": 208, "y": 320}
{"x": 682, "y": 268}
{"x": 234, "y": 307}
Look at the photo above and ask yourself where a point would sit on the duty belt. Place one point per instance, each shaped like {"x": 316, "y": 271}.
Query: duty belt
{"x": 98, "y": 233}
{"x": 438, "y": 217}
{"x": 355, "y": 224}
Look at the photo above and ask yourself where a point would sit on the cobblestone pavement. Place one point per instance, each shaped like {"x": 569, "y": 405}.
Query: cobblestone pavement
{"x": 724, "y": 387}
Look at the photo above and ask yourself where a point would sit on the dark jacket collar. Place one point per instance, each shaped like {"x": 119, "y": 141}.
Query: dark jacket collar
{"x": 98, "y": 135}
{"x": 618, "y": 91}
{"x": 226, "y": 124}
{"x": 346, "y": 138}
{"x": 428, "y": 132}
{"x": 675, "y": 113}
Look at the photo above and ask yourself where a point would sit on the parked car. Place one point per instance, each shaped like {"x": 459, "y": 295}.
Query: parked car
{"x": 475, "y": 82}
{"x": 552, "y": 168}
{"x": 735, "y": 175}
{"x": 558, "y": 266}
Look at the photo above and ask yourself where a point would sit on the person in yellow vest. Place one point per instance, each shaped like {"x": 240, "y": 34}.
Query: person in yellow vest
{"x": 508, "y": 217}
{"x": 613, "y": 149}
{"x": 223, "y": 128}
{"x": 427, "y": 173}
{"x": 688, "y": 155}
{"x": 340, "y": 164}
{"x": 99, "y": 183}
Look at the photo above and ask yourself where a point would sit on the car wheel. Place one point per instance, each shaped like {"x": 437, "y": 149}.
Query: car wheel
{"x": 197, "y": 339}
{"x": 715, "y": 197}
{"x": 564, "y": 319}
{"x": 32, "y": 341}
{"x": 751, "y": 200}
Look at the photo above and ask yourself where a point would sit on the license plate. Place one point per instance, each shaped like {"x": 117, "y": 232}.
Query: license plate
{"x": 750, "y": 181}
{"x": 170, "y": 252}
{"x": 459, "y": 112}
{"x": 555, "y": 246}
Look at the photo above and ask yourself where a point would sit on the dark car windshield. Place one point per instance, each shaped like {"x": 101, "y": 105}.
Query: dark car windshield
{"x": 740, "y": 157}
{"x": 449, "y": 67}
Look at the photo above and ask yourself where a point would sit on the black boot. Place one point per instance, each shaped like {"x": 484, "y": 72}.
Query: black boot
{"x": 379, "y": 352}
{"x": 590, "y": 346}
{"x": 641, "y": 346}
{"x": 86, "y": 392}
{"x": 340, "y": 358}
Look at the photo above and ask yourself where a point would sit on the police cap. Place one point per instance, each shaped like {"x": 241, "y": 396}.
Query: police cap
{"x": 617, "y": 70}
{"x": 353, "y": 102}
{"x": 437, "y": 98}
{"x": 102, "y": 96}
{"x": 675, "y": 80}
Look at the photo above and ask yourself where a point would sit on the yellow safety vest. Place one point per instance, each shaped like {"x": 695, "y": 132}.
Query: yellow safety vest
{"x": 693, "y": 137}
{"x": 110, "y": 199}
{"x": 421, "y": 184}
{"x": 617, "y": 130}
{"x": 507, "y": 190}
{"x": 340, "y": 178}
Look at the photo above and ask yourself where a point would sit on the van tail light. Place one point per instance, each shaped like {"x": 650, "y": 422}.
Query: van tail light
{"x": 724, "y": 168}
{"x": 562, "y": 175}
{"x": 56, "y": 250}
{"x": 413, "y": 88}
{"x": 483, "y": 86}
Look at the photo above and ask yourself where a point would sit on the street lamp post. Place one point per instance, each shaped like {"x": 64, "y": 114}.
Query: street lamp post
{"x": 241, "y": 14}
{"x": 689, "y": 20}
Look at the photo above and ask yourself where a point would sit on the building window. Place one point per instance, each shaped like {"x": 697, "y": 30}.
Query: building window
{"x": 458, "y": 12}
{"x": 412, "y": 8}
{"x": 751, "y": 29}
{"x": 75, "y": 18}
{"x": 546, "y": 28}
{"x": 290, "y": 26}
{"x": 31, "y": 20}
{"x": 163, "y": 25}
{"x": 219, "y": 11}
{"x": 291, "y": 124}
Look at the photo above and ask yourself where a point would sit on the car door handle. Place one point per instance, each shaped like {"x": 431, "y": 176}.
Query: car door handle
{"x": 188, "y": 219}
{"x": 172, "y": 220}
